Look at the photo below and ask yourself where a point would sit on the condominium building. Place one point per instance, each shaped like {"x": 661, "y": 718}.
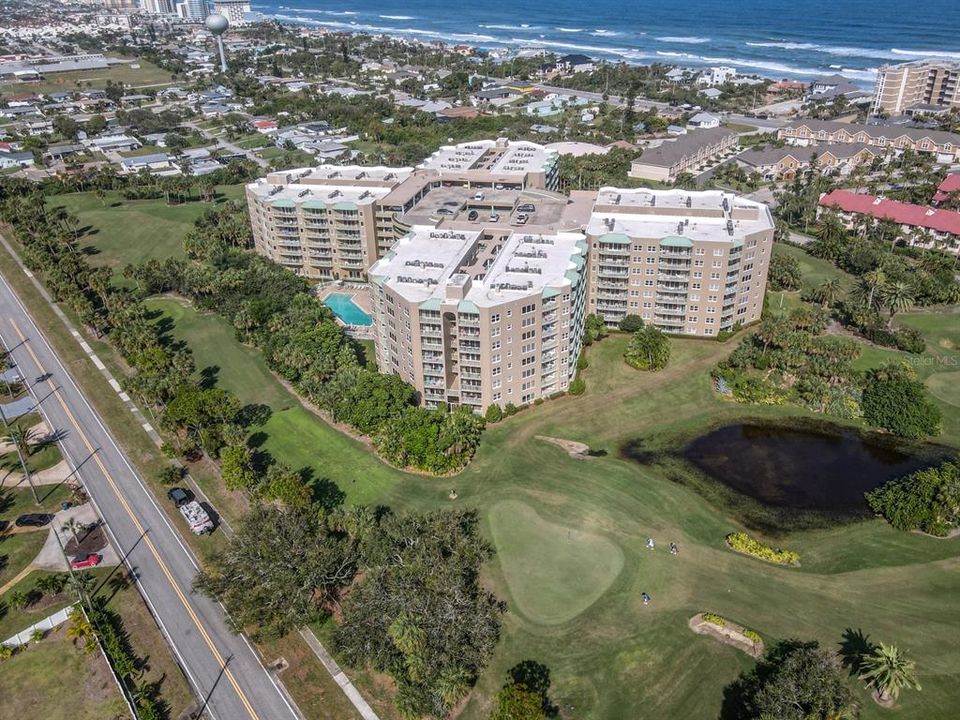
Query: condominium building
{"x": 918, "y": 86}
{"x": 326, "y": 222}
{"x": 193, "y": 10}
{"x": 686, "y": 262}
{"x": 481, "y": 317}
{"x": 332, "y": 222}
{"x": 687, "y": 154}
{"x": 888, "y": 138}
{"x": 235, "y": 11}
{"x": 500, "y": 164}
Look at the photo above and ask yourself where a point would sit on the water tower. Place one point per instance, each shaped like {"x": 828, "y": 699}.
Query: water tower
{"x": 217, "y": 25}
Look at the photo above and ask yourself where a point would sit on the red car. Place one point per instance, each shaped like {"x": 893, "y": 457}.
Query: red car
{"x": 87, "y": 561}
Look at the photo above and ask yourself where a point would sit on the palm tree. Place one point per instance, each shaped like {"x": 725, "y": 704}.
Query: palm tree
{"x": 73, "y": 526}
{"x": 21, "y": 437}
{"x": 829, "y": 291}
{"x": 897, "y": 296}
{"x": 81, "y": 630}
{"x": 889, "y": 671}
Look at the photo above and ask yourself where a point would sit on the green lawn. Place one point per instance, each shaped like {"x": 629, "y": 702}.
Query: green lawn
{"x": 121, "y": 232}
{"x": 148, "y": 74}
{"x": 54, "y": 680}
{"x": 608, "y": 654}
{"x": 292, "y": 435}
{"x": 16, "y": 502}
{"x": 40, "y": 459}
{"x": 17, "y": 551}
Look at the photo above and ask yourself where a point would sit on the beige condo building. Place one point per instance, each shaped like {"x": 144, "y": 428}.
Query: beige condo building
{"x": 333, "y": 222}
{"x": 921, "y": 85}
{"x": 686, "y": 262}
{"x": 481, "y": 317}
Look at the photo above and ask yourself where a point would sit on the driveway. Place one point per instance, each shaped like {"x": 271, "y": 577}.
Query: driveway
{"x": 50, "y": 556}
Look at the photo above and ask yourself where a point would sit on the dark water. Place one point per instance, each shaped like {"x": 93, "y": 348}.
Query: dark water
{"x": 801, "y": 468}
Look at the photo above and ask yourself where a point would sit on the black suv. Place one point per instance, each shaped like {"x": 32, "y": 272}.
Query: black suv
{"x": 179, "y": 496}
{"x": 33, "y": 520}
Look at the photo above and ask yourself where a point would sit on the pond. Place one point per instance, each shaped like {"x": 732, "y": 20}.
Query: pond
{"x": 821, "y": 468}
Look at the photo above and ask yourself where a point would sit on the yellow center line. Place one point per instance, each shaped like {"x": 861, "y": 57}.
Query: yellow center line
{"x": 153, "y": 550}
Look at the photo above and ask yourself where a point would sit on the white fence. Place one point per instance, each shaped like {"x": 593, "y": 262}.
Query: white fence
{"x": 47, "y": 624}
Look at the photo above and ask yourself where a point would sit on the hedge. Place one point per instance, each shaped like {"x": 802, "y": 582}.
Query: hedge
{"x": 743, "y": 543}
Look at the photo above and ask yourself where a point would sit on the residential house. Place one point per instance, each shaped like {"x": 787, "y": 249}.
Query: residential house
{"x": 949, "y": 187}
{"x": 15, "y": 159}
{"x": 703, "y": 121}
{"x": 716, "y": 76}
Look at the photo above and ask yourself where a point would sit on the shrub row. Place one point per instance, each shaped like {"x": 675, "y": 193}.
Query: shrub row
{"x": 743, "y": 543}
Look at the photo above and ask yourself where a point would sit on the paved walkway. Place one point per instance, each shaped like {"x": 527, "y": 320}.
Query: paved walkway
{"x": 51, "y": 476}
{"x": 40, "y": 431}
{"x": 17, "y": 578}
{"x": 339, "y": 676}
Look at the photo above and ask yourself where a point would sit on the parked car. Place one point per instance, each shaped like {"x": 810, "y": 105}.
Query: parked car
{"x": 526, "y": 208}
{"x": 444, "y": 211}
{"x": 179, "y": 496}
{"x": 33, "y": 520}
{"x": 86, "y": 561}
{"x": 472, "y": 215}
{"x": 478, "y": 196}
{"x": 196, "y": 517}
{"x": 521, "y": 219}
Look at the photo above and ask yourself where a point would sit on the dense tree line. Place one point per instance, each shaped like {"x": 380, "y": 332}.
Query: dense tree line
{"x": 927, "y": 500}
{"x": 271, "y": 308}
{"x": 405, "y": 588}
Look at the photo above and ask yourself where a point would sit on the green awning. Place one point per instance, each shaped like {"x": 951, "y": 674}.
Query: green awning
{"x": 676, "y": 241}
{"x": 550, "y": 292}
{"x": 617, "y": 238}
{"x": 430, "y": 304}
{"x": 466, "y": 306}
{"x": 315, "y": 205}
{"x": 582, "y": 245}
{"x": 282, "y": 203}
{"x": 573, "y": 276}
{"x": 345, "y": 206}
{"x": 577, "y": 260}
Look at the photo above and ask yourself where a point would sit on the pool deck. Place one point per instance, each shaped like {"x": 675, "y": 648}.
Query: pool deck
{"x": 360, "y": 295}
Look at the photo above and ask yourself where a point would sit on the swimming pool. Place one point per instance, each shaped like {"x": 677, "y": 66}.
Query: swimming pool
{"x": 347, "y": 310}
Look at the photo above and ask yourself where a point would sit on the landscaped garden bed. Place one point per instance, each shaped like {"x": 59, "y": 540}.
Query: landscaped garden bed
{"x": 729, "y": 633}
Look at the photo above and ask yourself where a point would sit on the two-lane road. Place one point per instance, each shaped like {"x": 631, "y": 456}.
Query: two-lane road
{"x": 222, "y": 667}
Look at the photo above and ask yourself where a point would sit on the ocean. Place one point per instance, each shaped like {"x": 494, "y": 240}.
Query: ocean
{"x": 794, "y": 39}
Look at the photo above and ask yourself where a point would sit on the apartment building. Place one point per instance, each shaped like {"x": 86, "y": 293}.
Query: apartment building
{"x": 921, "y": 226}
{"x": 887, "y": 138}
{"x": 481, "y": 317}
{"x": 686, "y": 154}
{"x": 686, "y": 262}
{"x": 787, "y": 162}
{"x": 332, "y": 222}
{"x": 235, "y": 11}
{"x": 500, "y": 164}
{"x": 917, "y": 86}
{"x": 327, "y": 222}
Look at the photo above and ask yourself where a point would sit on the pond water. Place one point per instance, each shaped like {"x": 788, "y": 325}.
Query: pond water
{"x": 825, "y": 469}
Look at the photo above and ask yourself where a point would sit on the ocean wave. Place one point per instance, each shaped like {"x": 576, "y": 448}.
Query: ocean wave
{"x": 522, "y": 27}
{"x": 569, "y": 30}
{"x": 397, "y": 17}
{"x": 335, "y": 13}
{"x": 926, "y": 53}
{"x": 548, "y": 43}
{"x": 840, "y": 51}
{"x": 602, "y": 32}
{"x": 868, "y": 74}
{"x": 683, "y": 39}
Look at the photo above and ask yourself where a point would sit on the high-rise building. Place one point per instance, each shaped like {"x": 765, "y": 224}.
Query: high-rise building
{"x": 686, "y": 262}
{"x": 920, "y": 85}
{"x": 481, "y": 317}
{"x": 193, "y": 10}
{"x": 233, "y": 10}
{"x": 158, "y": 7}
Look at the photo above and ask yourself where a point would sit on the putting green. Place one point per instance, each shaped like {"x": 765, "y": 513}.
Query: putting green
{"x": 553, "y": 572}
{"x": 946, "y": 386}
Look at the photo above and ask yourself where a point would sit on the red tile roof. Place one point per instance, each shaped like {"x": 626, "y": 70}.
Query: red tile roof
{"x": 945, "y": 221}
{"x": 951, "y": 183}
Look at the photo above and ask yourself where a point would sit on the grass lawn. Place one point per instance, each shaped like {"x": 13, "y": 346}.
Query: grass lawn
{"x": 40, "y": 459}
{"x": 293, "y": 434}
{"x": 148, "y": 74}
{"x": 54, "y": 680}
{"x": 627, "y": 656}
{"x": 17, "y": 551}
{"x": 15, "y": 502}
{"x": 120, "y": 232}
